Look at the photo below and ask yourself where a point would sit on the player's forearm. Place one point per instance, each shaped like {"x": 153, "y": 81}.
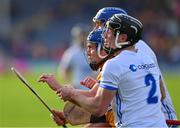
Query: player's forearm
{"x": 96, "y": 105}
{"x": 91, "y": 104}
{"x": 89, "y": 93}
{"x": 85, "y": 93}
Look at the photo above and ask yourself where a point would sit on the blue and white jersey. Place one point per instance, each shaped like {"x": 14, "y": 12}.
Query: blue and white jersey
{"x": 75, "y": 60}
{"x": 167, "y": 106}
{"x": 135, "y": 76}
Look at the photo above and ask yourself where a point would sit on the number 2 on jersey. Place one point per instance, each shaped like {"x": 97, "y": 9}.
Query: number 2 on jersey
{"x": 150, "y": 81}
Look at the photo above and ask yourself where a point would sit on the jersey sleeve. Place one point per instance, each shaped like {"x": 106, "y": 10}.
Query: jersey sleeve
{"x": 109, "y": 78}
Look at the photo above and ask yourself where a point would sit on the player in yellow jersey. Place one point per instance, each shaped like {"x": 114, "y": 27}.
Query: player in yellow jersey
{"x": 96, "y": 59}
{"x": 96, "y": 56}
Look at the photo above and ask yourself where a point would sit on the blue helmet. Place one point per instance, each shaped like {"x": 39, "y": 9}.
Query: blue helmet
{"x": 106, "y": 13}
{"x": 95, "y": 36}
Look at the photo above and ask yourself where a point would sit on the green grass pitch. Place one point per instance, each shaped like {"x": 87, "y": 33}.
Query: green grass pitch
{"x": 20, "y": 108}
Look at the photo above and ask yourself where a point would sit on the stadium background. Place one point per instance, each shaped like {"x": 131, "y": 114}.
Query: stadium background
{"x": 35, "y": 33}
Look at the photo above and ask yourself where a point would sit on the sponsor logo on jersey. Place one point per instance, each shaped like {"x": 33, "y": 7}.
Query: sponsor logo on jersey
{"x": 134, "y": 67}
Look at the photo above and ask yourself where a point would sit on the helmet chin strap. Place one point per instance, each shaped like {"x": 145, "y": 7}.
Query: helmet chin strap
{"x": 119, "y": 44}
{"x": 99, "y": 52}
{"x": 95, "y": 66}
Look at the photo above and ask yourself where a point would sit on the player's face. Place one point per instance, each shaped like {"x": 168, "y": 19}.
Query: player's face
{"x": 109, "y": 38}
{"x": 92, "y": 55}
{"x": 98, "y": 24}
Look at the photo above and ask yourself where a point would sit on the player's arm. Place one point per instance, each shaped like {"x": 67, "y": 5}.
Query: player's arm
{"x": 95, "y": 105}
{"x": 54, "y": 85}
{"x": 89, "y": 93}
{"x": 59, "y": 119}
{"x": 50, "y": 80}
{"x": 162, "y": 88}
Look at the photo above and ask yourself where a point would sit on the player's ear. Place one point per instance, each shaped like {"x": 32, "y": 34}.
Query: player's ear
{"x": 122, "y": 37}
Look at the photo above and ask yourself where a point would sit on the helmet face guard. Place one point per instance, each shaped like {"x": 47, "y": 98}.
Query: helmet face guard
{"x": 108, "y": 50}
{"x": 95, "y": 37}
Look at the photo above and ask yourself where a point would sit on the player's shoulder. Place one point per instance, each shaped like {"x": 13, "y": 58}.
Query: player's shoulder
{"x": 120, "y": 59}
{"x": 111, "y": 61}
{"x": 111, "y": 65}
{"x": 145, "y": 48}
{"x": 142, "y": 44}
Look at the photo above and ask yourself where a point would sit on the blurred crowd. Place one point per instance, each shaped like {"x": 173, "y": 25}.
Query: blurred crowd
{"x": 40, "y": 29}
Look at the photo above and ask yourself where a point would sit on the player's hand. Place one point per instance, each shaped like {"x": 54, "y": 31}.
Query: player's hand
{"x": 88, "y": 82}
{"x": 58, "y": 117}
{"x": 65, "y": 93}
{"x": 50, "y": 80}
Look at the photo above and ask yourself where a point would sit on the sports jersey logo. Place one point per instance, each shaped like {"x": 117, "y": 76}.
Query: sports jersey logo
{"x": 133, "y": 67}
